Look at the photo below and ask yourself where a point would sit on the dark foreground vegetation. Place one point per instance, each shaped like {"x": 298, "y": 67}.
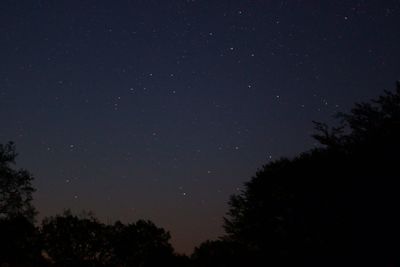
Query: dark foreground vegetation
{"x": 335, "y": 205}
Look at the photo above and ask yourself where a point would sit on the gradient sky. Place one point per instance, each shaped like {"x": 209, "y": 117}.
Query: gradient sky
{"x": 162, "y": 109}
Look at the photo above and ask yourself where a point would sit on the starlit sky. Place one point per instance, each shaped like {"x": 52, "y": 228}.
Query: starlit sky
{"x": 161, "y": 110}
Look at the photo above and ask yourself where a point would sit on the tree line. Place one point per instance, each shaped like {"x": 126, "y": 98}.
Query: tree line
{"x": 334, "y": 205}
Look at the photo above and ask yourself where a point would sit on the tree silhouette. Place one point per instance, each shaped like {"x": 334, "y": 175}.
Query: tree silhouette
{"x": 15, "y": 186}
{"x": 335, "y": 205}
{"x": 18, "y": 235}
{"x": 141, "y": 244}
{"x": 373, "y": 144}
{"x": 219, "y": 253}
{"x": 19, "y": 243}
{"x": 72, "y": 241}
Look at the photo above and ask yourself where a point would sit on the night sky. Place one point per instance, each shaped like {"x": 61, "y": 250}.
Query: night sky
{"x": 161, "y": 110}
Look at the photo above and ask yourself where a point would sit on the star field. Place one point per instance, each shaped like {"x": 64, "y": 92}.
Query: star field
{"x": 162, "y": 109}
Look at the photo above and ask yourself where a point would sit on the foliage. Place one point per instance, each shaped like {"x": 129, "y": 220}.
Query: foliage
{"x": 69, "y": 240}
{"x": 18, "y": 235}
{"x": 15, "y": 186}
{"x": 219, "y": 253}
{"x": 72, "y": 241}
{"x": 141, "y": 244}
{"x": 19, "y": 243}
{"x": 330, "y": 206}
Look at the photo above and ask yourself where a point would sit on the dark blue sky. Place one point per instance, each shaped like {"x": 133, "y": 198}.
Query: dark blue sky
{"x": 162, "y": 109}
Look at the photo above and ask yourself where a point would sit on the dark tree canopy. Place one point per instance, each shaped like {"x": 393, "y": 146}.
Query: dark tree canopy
{"x": 141, "y": 244}
{"x": 70, "y": 240}
{"x": 332, "y": 206}
{"x": 18, "y": 236}
{"x": 19, "y": 243}
{"x": 15, "y": 186}
{"x": 219, "y": 253}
